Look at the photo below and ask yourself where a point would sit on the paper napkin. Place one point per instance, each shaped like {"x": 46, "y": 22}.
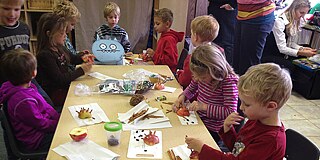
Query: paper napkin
{"x": 84, "y": 150}
{"x": 97, "y": 113}
{"x": 189, "y": 120}
{"x": 100, "y": 76}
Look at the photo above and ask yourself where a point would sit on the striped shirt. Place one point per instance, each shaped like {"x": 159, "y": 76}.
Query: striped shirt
{"x": 115, "y": 33}
{"x": 249, "y": 9}
{"x": 221, "y": 101}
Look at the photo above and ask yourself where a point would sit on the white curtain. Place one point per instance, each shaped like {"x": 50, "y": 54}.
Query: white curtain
{"x": 135, "y": 19}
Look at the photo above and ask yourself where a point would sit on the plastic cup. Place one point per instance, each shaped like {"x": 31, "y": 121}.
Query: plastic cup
{"x": 113, "y": 132}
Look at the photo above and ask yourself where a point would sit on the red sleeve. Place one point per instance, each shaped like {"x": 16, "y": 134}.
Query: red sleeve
{"x": 168, "y": 55}
{"x": 261, "y": 149}
{"x": 185, "y": 75}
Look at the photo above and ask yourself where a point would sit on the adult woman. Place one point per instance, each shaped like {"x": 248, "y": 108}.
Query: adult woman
{"x": 281, "y": 46}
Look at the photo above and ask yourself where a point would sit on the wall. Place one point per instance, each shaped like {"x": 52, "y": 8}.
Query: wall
{"x": 179, "y": 9}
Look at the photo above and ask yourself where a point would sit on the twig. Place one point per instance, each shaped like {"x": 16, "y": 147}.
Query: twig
{"x": 170, "y": 103}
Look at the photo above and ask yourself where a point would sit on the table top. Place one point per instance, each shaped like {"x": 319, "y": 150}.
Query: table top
{"x": 113, "y": 104}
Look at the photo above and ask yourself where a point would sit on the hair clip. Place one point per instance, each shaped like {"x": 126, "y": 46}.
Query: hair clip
{"x": 198, "y": 63}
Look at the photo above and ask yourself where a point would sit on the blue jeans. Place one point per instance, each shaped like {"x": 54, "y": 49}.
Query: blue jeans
{"x": 250, "y": 41}
{"x": 227, "y": 22}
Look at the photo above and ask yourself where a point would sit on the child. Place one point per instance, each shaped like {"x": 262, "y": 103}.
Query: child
{"x": 111, "y": 30}
{"x": 54, "y": 73}
{"x": 263, "y": 90}
{"x": 166, "y": 52}
{"x": 70, "y": 12}
{"x": 216, "y": 85}
{"x": 33, "y": 120}
{"x": 282, "y": 44}
{"x": 204, "y": 29}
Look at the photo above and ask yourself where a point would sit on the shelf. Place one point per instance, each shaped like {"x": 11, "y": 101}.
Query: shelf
{"x": 38, "y": 10}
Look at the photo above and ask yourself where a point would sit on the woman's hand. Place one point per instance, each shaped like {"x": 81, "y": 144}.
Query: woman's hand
{"x": 194, "y": 143}
{"x": 178, "y": 103}
{"x": 307, "y": 52}
{"x": 232, "y": 119}
{"x": 227, "y": 7}
{"x": 196, "y": 105}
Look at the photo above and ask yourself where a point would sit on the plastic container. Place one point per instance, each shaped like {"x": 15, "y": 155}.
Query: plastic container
{"x": 113, "y": 132}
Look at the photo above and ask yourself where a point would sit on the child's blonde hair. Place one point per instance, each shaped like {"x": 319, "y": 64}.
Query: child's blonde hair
{"x": 209, "y": 59}
{"x": 109, "y": 8}
{"x": 206, "y": 27}
{"x": 67, "y": 10}
{"x": 165, "y": 15}
{"x": 266, "y": 82}
{"x": 12, "y": 2}
{"x": 293, "y": 26}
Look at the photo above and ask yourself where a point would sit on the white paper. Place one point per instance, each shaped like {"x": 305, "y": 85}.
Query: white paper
{"x": 189, "y": 120}
{"x": 139, "y": 107}
{"x": 100, "y": 76}
{"x": 97, "y": 113}
{"x": 138, "y": 149}
{"x": 166, "y": 89}
{"x": 182, "y": 151}
{"x": 151, "y": 123}
{"x": 85, "y": 150}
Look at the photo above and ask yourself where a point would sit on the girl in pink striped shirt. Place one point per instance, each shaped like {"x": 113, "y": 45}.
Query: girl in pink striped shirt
{"x": 216, "y": 85}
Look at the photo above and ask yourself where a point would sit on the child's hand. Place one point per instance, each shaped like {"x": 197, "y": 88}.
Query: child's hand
{"x": 88, "y": 58}
{"x": 194, "y": 143}
{"x": 86, "y": 67}
{"x": 196, "y": 105}
{"x": 150, "y": 52}
{"x": 178, "y": 103}
{"x": 232, "y": 119}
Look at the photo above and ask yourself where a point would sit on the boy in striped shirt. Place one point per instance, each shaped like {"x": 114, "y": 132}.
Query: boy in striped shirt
{"x": 112, "y": 30}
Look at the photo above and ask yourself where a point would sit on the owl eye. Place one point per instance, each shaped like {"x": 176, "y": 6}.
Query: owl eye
{"x": 103, "y": 46}
{"x": 113, "y": 46}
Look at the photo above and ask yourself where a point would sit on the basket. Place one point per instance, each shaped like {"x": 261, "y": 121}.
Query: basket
{"x": 40, "y": 4}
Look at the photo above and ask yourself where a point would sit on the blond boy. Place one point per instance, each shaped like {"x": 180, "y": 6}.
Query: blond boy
{"x": 204, "y": 29}
{"x": 112, "y": 30}
{"x": 70, "y": 12}
{"x": 167, "y": 51}
{"x": 263, "y": 90}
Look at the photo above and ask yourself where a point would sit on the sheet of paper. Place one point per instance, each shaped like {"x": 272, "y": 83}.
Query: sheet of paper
{"x": 182, "y": 151}
{"x": 167, "y": 89}
{"x": 189, "y": 120}
{"x": 100, "y": 76}
{"x": 138, "y": 149}
{"x": 84, "y": 150}
{"x": 138, "y": 108}
{"x": 98, "y": 115}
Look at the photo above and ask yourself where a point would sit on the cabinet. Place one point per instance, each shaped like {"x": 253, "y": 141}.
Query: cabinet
{"x": 31, "y": 13}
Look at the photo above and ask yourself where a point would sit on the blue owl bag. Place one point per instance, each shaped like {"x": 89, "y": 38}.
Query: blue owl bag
{"x": 108, "y": 52}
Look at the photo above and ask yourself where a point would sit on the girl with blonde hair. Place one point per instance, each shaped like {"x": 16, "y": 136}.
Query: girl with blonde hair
{"x": 216, "y": 85}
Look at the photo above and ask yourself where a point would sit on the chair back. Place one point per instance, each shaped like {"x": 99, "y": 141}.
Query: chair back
{"x": 14, "y": 145}
{"x": 183, "y": 56}
{"x": 299, "y": 147}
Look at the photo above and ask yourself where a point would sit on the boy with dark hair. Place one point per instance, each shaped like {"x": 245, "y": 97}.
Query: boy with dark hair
{"x": 166, "y": 52}
{"x": 33, "y": 120}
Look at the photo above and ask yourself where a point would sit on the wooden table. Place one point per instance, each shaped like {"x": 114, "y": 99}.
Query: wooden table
{"x": 113, "y": 104}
